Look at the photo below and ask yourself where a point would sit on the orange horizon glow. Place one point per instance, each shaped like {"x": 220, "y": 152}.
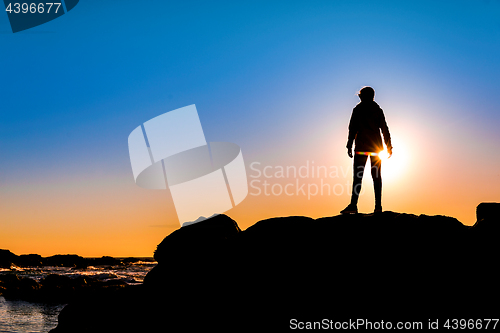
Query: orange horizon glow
{"x": 93, "y": 219}
{"x": 110, "y": 215}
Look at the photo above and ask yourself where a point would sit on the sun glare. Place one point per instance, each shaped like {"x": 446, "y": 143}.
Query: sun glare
{"x": 384, "y": 155}
{"x": 393, "y": 167}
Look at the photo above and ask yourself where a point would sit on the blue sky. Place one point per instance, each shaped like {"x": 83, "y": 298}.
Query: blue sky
{"x": 277, "y": 77}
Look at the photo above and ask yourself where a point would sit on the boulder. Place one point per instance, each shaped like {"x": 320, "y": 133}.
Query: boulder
{"x": 9, "y": 280}
{"x": 188, "y": 240}
{"x": 7, "y": 258}
{"x": 29, "y": 260}
{"x": 489, "y": 211}
{"x": 56, "y": 281}
{"x": 114, "y": 283}
{"x": 15, "y": 287}
{"x": 104, "y": 261}
{"x": 66, "y": 260}
{"x": 487, "y": 220}
{"x": 387, "y": 266}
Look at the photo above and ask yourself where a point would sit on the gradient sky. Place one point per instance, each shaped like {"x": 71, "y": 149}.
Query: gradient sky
{"x": 279, "y": 78}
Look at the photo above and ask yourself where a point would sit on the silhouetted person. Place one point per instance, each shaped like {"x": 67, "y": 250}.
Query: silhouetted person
{"x": 367, "y": 120}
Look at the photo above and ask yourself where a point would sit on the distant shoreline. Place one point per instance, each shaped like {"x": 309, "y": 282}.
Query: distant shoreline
{"x": 9, "y": 259}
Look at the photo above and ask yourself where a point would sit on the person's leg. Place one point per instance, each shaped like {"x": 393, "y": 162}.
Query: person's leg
{"x": 358, "y": 170}
{"x": 376, "y": 169}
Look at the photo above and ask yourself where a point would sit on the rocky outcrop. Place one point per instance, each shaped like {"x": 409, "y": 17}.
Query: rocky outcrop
{"x": 488, "y": 210}
{"x": 9, "y": 259}
{"x": 191, "y": 238}
{"x": 199, "y": 246}
{"x": 54, "y": 288}
{"x": 20, "y": 288}
{"x": 6, "y": 258}
{"x": 387, "y": 266}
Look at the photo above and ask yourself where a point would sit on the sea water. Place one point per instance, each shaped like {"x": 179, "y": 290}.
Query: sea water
{"x": 20, "y": 316}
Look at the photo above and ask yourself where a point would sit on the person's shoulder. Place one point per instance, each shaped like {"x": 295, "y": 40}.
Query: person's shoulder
{"x": 377, "y": 107}
{"x": 358, "y": 106}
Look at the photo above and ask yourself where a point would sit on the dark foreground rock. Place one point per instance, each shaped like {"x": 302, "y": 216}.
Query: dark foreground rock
{"x": 388, "y": 266}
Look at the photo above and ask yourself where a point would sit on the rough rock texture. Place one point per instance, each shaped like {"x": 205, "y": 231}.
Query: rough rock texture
{"x": 387, "y": 266}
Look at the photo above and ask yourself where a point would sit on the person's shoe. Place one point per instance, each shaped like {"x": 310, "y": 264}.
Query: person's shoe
{"x": 351, "y": 209}
{"x": 378, "y": 209}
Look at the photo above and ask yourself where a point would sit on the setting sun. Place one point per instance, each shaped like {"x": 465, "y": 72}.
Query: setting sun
{"x": 383, "y": 155}
{"x": 393, "y": 167}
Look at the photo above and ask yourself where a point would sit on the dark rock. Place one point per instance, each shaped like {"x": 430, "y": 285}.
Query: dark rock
{"x": 104, "y": 276}
{"x": 29, "y": 260}
{"x": 6, "y": 258}
{"x": 108, "y": 306}
{"x": 57, "y": 281}
{"x": 189, "y": 239}
{"x": 386, "y": 266}
{"x": 15, "y": 287}
{"x": 56, "y": 288}
{"x": 104, "y": 261}
{"x": 84, "y": 281}
{"x": 114, "y": 283}
{"x": 488, "y": 219}
{"x": 66, "y": 260}
{"x": 61, "y": 289}
{"x": 144, "y": 261}
{"x": 488, "y": 210}
{"x": 131, "y": 260}
{"x": 9, "y": 279}
{"x": 192, "y": 251}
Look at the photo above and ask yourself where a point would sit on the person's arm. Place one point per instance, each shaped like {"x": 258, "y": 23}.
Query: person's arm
{"x": 385, "y": 133}
{"x": 353, "y": 131}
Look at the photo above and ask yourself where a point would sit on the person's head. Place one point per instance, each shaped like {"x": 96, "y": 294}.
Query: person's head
{"x": 366, "y": 94}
